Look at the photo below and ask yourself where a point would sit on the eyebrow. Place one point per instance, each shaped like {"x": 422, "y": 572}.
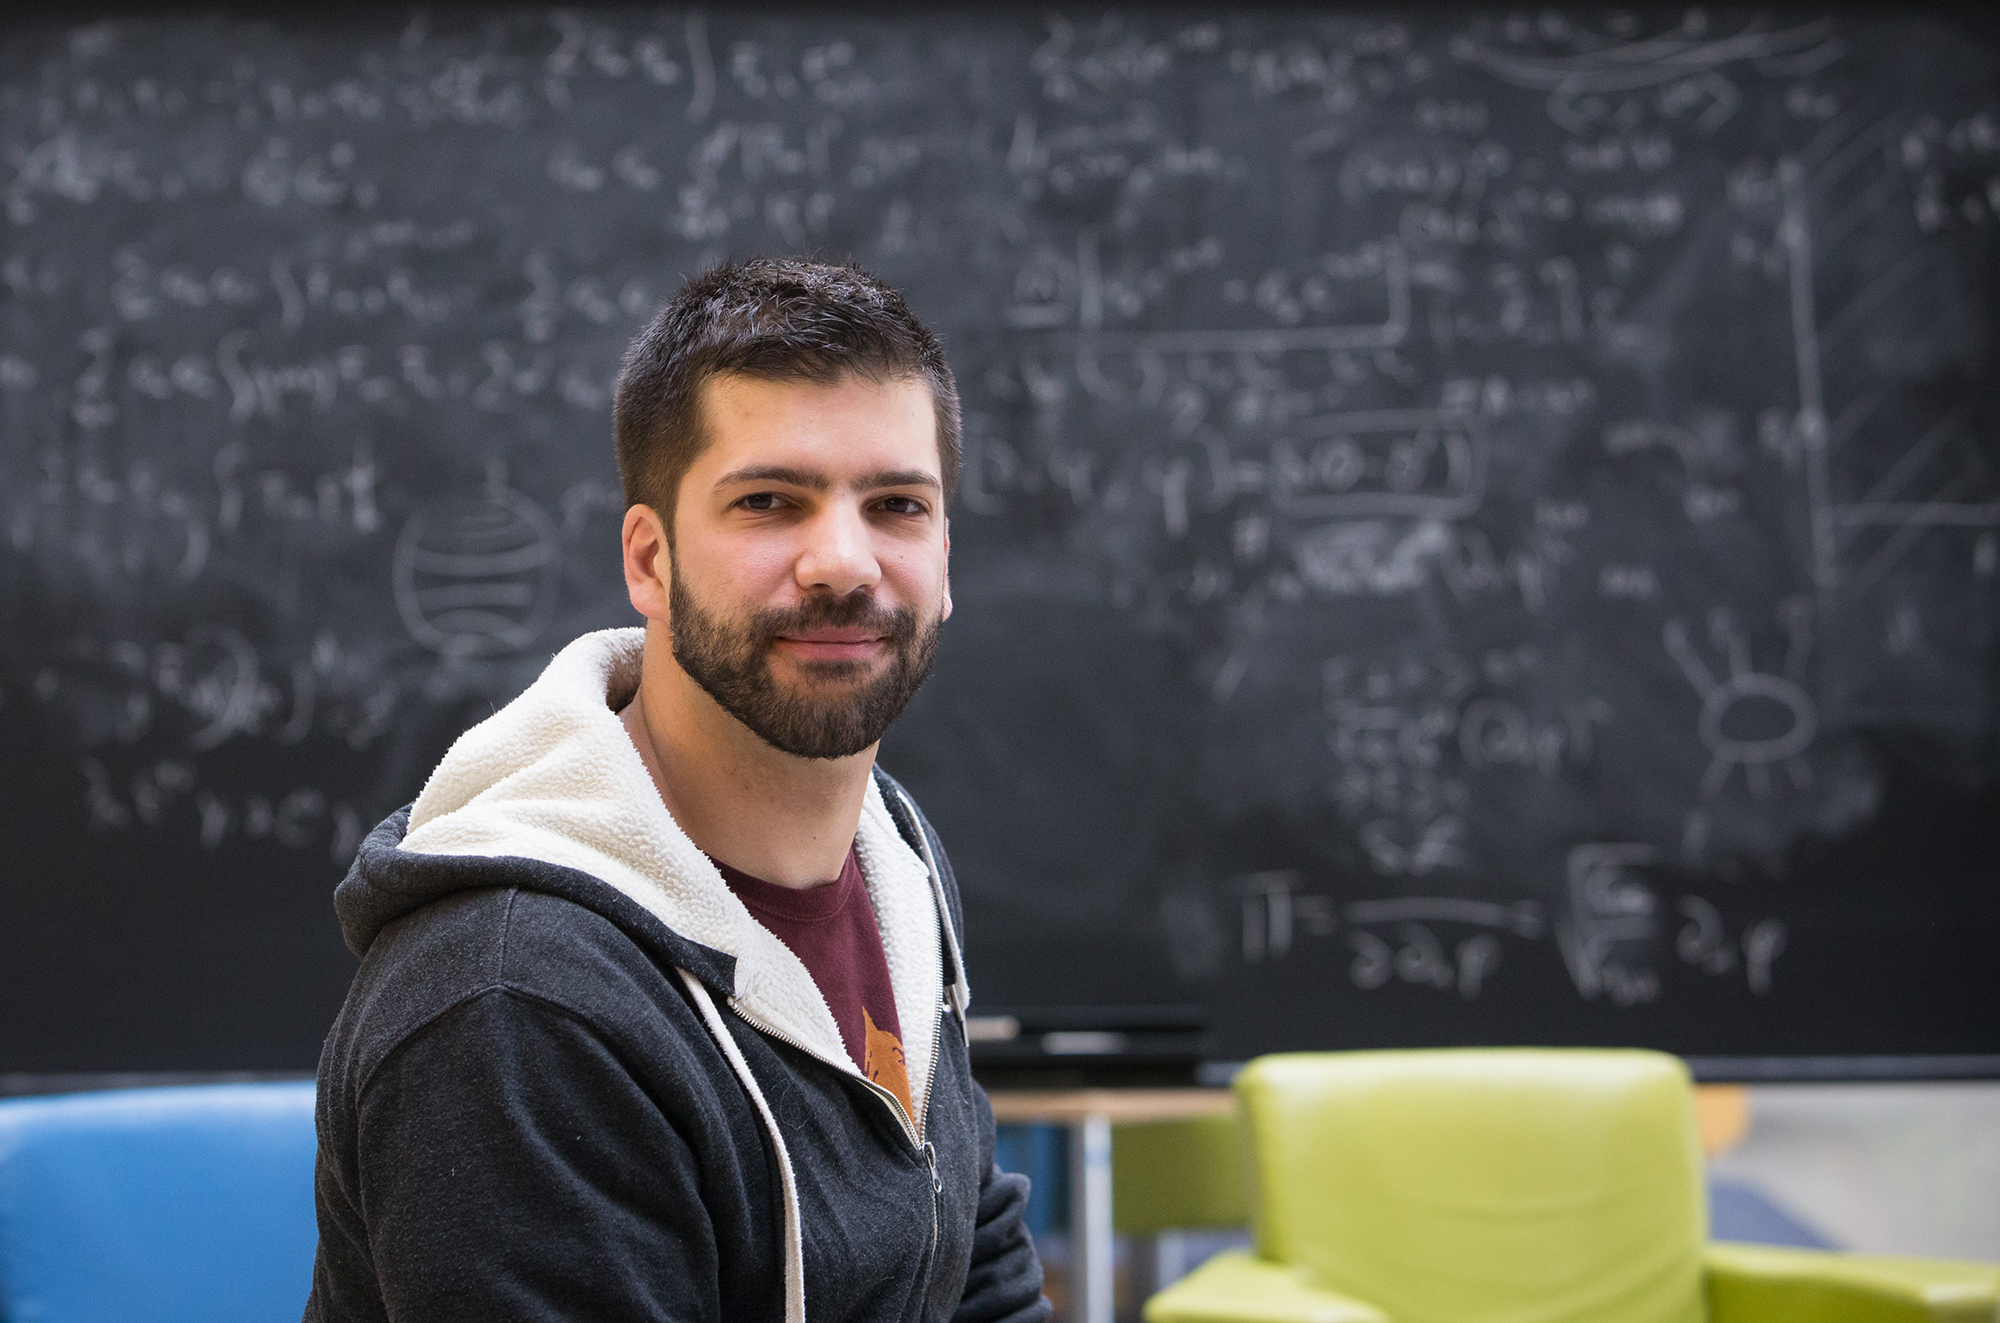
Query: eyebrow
{"x": 818, "y": 482}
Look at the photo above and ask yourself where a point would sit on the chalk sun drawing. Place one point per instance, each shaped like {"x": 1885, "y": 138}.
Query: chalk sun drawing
{"x": 1750, "y": 718}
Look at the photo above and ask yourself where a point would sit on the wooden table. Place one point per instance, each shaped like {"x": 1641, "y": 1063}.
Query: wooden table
{"x": 1089, "y": 1114}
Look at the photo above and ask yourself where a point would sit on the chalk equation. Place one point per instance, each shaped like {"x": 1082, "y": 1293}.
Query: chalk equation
{"x": 1612, "y": 934}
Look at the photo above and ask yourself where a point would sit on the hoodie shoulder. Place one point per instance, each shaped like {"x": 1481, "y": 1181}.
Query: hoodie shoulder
{"x": 515, "y": 926}
{"x": 388, "y": 885}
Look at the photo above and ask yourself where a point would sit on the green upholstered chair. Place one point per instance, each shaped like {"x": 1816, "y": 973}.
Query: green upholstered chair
{"x": 1171, "y": 1181}
{"x": 1515, "y": 1186}
{"x": 1174, "y": 1175}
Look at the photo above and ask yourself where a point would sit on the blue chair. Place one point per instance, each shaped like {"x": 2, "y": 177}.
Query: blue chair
{"x": 168, "y": 1205}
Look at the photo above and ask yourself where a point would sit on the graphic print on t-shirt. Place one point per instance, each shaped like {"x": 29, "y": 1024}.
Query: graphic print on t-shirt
{"x": 831, "y": 928}
{"x": 884, "y": 1062}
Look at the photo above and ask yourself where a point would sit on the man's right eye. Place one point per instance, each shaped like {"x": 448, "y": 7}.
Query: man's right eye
{"x": 760, "y": 501}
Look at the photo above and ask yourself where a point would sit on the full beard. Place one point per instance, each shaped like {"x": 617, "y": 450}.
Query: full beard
{"x": 731, "y": 661}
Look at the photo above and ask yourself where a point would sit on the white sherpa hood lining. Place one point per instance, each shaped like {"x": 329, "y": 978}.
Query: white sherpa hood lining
{"x": 553, "y": 776}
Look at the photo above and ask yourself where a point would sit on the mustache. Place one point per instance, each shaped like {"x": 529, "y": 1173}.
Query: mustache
{"x": 854, "y": 611}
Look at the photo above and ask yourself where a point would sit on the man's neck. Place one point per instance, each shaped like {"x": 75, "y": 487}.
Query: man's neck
{"x": 784, "y": 819}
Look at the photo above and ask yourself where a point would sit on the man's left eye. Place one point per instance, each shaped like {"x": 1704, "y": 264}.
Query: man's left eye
{"x": 902, "y": 505}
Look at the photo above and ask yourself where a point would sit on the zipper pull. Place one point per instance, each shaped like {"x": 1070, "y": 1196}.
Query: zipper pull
{"x": 930, "y": 1160}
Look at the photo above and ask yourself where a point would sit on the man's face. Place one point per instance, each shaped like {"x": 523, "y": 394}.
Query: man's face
{"x": 808, "y": 558}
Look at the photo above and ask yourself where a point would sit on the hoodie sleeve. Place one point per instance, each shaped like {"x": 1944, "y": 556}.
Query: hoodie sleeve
{"x": 1003, "y": 1283}
{"x": 510, "y": 1167}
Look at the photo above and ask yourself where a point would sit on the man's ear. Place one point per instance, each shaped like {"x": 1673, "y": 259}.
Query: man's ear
{"x": 945, "y": 613}
{"x": 648, "y": 563}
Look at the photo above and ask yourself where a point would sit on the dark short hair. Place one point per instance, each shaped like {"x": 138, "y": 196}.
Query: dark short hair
{"x": 773, "y": 319}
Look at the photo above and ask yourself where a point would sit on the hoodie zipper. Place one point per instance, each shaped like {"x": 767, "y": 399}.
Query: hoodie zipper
{"x": 913, "y": 1127}
{"x": 912, "y": 1130}
{"x": 930, "y": 1156}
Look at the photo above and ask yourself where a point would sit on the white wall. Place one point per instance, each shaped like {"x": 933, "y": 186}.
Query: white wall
{"x": 1884, "y": 1168}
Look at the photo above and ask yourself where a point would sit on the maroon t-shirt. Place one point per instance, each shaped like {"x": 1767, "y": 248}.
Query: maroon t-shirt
{"x": 831, "y": 929}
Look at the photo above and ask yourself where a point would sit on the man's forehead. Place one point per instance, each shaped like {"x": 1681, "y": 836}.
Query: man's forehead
{"x": 803, "y": 430}
{"x": 818, "y": 479}
{"x": 742, "y": 384}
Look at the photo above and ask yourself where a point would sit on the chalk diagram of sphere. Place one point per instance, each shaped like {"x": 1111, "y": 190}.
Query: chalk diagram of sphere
{"x": 476, "y": 573}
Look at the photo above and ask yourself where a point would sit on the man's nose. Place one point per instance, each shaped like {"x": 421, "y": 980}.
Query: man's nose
{"x": 838, "y": 555}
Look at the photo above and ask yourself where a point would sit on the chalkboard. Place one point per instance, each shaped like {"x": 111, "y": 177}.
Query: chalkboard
{"x": 1477, "y": 526}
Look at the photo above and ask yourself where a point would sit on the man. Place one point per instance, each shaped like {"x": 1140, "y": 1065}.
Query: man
{"x": 660, "y": 1013}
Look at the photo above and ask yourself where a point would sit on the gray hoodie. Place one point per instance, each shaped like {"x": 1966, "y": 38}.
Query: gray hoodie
{"x": 575, "y": 1078}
